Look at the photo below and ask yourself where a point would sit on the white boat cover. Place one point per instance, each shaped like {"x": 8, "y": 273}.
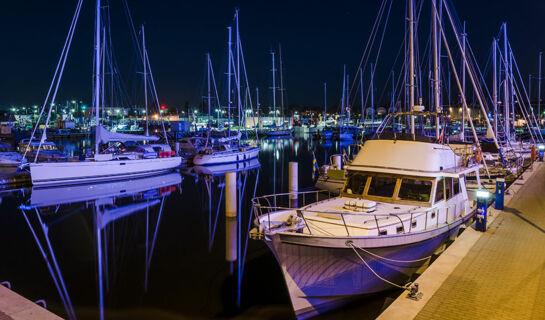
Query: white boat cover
{"x": 227, "y": 139}
{"x": 105, "y": 136}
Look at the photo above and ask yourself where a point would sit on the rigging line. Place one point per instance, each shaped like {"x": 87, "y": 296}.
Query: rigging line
{"x": 71, "y": 36}
{"x": 63, "y": 52}
{"x": 378, "y": 52}
{"x": 248, "y": 92}
{"x": 155, "y": 96}
{"x": 369, "y": 44}
{"x": 522, "y": 82}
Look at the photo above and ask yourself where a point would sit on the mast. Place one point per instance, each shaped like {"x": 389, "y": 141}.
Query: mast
{"x": 273, "y": 87}
{"x": 372, "y": 98}
{"x": 257, "y": 103}
{"x": 96, "y": 94}
{"x": 343, "y": 98}
{"x": 495, "y": 84}
{"x": 393, "y": 106}
{"x": 208, "y": 80}
{"x": 463, "y": 80}
{"x": 144, "y": 57}
{"x": 539, "y": 93}
{"x": 237, "y": 47}
{"x": 325, "y": 102}
{"x": 361, "y": 96}
{"x": 436, "y": 75}
{"x": 411, "y": 62}
{"x": 506, "y": 103}
{"x": 281, "y": 84}
{"x": 229, "y": 81}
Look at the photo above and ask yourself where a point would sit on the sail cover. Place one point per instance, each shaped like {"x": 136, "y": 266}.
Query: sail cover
{"x": 105, "y": 136}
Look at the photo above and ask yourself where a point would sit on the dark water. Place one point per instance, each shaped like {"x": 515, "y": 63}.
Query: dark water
{"x": 159, "y": 247}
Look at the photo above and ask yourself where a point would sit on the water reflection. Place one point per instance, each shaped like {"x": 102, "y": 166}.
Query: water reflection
{"x": 109, "y": 202}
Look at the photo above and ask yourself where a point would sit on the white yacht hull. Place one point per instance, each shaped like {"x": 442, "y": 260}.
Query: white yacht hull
{"x": 322, "y": 273}
{"x": 62, "y": 173}
{"x": 225, "y": 157}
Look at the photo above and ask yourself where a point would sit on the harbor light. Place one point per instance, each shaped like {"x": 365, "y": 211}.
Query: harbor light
{"x": 541, "y": 149}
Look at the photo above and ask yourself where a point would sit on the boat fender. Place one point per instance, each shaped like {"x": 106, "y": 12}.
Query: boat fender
{"x": 478, "y": 155}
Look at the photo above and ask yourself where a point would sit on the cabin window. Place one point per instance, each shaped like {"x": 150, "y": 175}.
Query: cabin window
{"x": 439, "y": 190}
{"x": 452, "y": 187}
{"x": 415, "y": 190}
{"x": 399, "y": 229}
{"x": 356, "y": 184}
{"x": 413, "y": 225}
{"x": 383, "y": 233}
{"x": 382, "y": 186}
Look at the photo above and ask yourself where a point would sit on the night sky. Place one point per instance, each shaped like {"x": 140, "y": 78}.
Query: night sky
{"x": 317, "y": 38}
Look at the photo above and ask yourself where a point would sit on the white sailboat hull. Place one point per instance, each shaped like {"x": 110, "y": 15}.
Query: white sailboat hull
{"x": 225, "y": 157}
{"x": 62, "y": 173}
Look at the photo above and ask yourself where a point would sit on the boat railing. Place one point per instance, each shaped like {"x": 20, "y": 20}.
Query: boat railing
{"x": 432, "y": 217}
{"x": 268, "y": 204}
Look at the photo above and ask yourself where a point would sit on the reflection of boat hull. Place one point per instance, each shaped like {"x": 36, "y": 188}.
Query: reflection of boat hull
{"x": 62, "y": 173}
{"x": 225, "y": 157}
{"x": 87, "y": 192}
{"x": 322, "y": 273}
{"x": 221, "y": 169}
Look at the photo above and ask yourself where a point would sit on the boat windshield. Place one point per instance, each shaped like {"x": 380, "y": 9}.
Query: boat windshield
{"x": 389, "y": 188}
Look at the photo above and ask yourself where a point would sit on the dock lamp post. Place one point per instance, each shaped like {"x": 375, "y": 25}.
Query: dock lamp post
{"x": 482, "y": 206}
{"x": 541, "y": 149}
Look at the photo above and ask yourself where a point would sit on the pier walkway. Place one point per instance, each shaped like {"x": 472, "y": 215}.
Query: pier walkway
{"x": 499, "y": 274}
{"x": 16, "y": 307}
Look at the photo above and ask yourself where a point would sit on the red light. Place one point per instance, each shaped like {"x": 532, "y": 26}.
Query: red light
{"x": 163, "y": 107}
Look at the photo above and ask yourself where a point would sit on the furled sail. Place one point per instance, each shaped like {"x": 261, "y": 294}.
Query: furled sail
{"x": 105, "y": 136}
{"x": 227, "y": 139}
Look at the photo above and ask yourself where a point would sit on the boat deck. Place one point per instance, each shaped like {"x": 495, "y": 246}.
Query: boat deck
{"x": 499, "y": 274}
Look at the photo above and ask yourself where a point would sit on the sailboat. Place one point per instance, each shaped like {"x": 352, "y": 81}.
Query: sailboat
{"x": 113, "y": 163}
{"x": 278, "y": 130}
{"x": 230, "y": 149}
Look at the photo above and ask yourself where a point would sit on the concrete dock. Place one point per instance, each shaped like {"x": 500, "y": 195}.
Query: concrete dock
{"x": 16, "y": 307}
{"x": 499, "y": 274}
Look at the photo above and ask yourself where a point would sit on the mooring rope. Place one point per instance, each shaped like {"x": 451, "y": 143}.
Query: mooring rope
{"x": 388, "y": 259}
{"x": 405, "y": 287}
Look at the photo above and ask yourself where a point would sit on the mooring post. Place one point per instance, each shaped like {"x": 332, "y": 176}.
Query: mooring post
{"x": 337, "y": 161}
{"x": 231, "y": 217}
{"x": 293, "y": 184}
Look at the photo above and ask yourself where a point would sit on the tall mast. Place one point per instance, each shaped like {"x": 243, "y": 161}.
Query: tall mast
{"x": 411, "y": 62}
{"x": 539, "y": 92}
{"x": 343, "y": 97}
{"x": 237, "y": 47}
{"x": 273, "y": 70}
{"x": 372, "y": 98}
{"x": 463, "y": 79}
{"x": 436, "y": 75}
{"x": 257, "y": 102}
{"x": 208, "y": 80}
{"x": 281, "y": 83}
{"x": 361, "y": 96}
{"x": 144, "y": 57}
{"x": 96, "y": 98}
{"x": 495, "y": 84}
{"x": 229, "y": 58}
{"x": 325, "y": 102}
{"x": 506, "y": 103}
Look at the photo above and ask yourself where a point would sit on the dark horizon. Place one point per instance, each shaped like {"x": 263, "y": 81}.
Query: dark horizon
{"x": 316, "y": 41}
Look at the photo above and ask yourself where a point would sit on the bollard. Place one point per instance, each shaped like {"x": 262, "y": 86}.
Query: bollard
{"x": 482, "y": 206}
{"x": 293, "y": 184}
{"x": 500, "y": 188}
{"x": 337, "y": 161}
{"x": 533, "y": 153}
{"x": 177, "y": 148}
{"x": 541, "y": 149}
{"x": 231, "y": 216}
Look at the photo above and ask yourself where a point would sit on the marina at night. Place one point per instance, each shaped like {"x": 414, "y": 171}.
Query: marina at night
{"x": 231, "y": 160}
